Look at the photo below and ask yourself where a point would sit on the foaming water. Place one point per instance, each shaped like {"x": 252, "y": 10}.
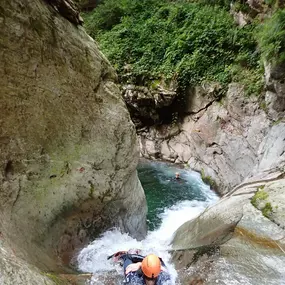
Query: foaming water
{"x": 93, "y": 258}
{"x": 163, "y": 190}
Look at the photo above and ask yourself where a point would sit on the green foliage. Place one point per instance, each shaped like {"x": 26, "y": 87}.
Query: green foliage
{"x": 252, "y": 79}
{"x": 270, "y": 2}
{"x": 241, "y": 6}
{"x": 56, "y": 279}
{"x": 259, "y": 196}
{"x": 223, "y": 3}
{"x": 208, "y": 180}
{"x": 110, "y": 15}
{"x": 271, "y": 37}
{"x": 267, "y": 210}
{"x": 192, "y": 42}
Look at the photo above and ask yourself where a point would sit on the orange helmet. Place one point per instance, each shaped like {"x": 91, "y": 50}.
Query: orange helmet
{"x": 151, "y": 266}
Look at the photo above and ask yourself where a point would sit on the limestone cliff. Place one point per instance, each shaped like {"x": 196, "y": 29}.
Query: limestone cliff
{"x": 68, "y": 148}
{"x": 223, "y": 139}
{"x": 218, "y": 138}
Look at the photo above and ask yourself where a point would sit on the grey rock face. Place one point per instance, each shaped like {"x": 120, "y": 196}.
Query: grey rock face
{"x": 145, "y": 104}
{"x": 68, "y": 9}
{"x": 68, "y": 147}
{"x": 275, "y": 96}
{"x": 16, "y": 271}
{"x": 271, "y": 151}
{"x": 241, "y": 236}
{"x": 219, "y": 138}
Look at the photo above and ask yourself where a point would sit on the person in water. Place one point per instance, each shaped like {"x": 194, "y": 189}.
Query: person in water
{"x": 177, "y": 178}
{"x": 149, "y": 270}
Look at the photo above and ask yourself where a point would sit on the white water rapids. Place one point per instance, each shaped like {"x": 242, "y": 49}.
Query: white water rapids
{"x": 93, "y": 258}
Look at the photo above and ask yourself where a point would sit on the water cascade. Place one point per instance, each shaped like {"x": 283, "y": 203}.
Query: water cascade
{"x": 171, "y": 202}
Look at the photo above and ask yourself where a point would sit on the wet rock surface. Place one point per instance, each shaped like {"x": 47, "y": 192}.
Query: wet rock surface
{"x": 68, "y": 147}
{"x": 250, "y": 249}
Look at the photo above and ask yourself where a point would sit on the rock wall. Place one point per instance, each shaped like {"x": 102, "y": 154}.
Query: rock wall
{"x": 219, "y": 138}
{"x": 68, "y": 148}
{"x": 239, "y": 142}
{"x": 149, "y": 106}
{"x": 244, "y": 230}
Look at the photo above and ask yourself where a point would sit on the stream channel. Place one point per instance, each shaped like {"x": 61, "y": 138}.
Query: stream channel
{"x": 170, "y": 202}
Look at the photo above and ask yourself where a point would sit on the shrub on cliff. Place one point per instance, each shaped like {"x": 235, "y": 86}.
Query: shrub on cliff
{"x": 271, "y": 37}
{"x": 189, "y": 41}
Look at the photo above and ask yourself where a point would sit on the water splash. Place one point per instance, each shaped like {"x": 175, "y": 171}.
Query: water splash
{"x": 93, "y": 258}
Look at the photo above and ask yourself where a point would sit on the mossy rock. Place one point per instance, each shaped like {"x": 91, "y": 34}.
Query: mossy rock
{"x": 258, "y": 197}
{"x": 57, "y": 279}
{"x": 208, "y": 180}
{"x": 267, "y": 210}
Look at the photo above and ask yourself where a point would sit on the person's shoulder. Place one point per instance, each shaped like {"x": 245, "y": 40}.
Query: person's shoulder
{"x": 134, "y": 278}
{"x": 163, "y": 277}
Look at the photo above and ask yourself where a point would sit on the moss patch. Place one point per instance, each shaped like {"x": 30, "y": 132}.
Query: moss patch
{"x": 258, "y": 197}
{"x": 267, "y": 210}
{"x": 263, "y": 106}
{"x": 56, "y": 279}
{"x": 91, "y": 190}
{"x": 277, "y": 122}
{"x": 208, "y": 180}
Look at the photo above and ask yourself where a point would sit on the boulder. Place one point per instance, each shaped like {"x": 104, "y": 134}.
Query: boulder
{"x": 233, "y": 241}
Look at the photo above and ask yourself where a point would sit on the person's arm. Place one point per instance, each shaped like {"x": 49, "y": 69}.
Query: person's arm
{"x": 133, "y": 267}
{"x": 131, "y": 273}
{"x": 131, "y": 262}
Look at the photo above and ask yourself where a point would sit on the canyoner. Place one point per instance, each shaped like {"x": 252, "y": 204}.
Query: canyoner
{"x": 142, "y": 270}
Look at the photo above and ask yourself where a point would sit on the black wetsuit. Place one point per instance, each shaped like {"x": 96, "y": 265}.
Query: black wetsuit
{"x": 136, "y": 277}
{"x": 178, "y": 180}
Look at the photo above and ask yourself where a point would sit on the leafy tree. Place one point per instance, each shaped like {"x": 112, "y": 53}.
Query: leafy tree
{"x": 271, "y": 37}
{"x": 191, "y": 41}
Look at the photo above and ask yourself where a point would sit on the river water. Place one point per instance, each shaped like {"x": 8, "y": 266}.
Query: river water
{"x": 170, "y": 202}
